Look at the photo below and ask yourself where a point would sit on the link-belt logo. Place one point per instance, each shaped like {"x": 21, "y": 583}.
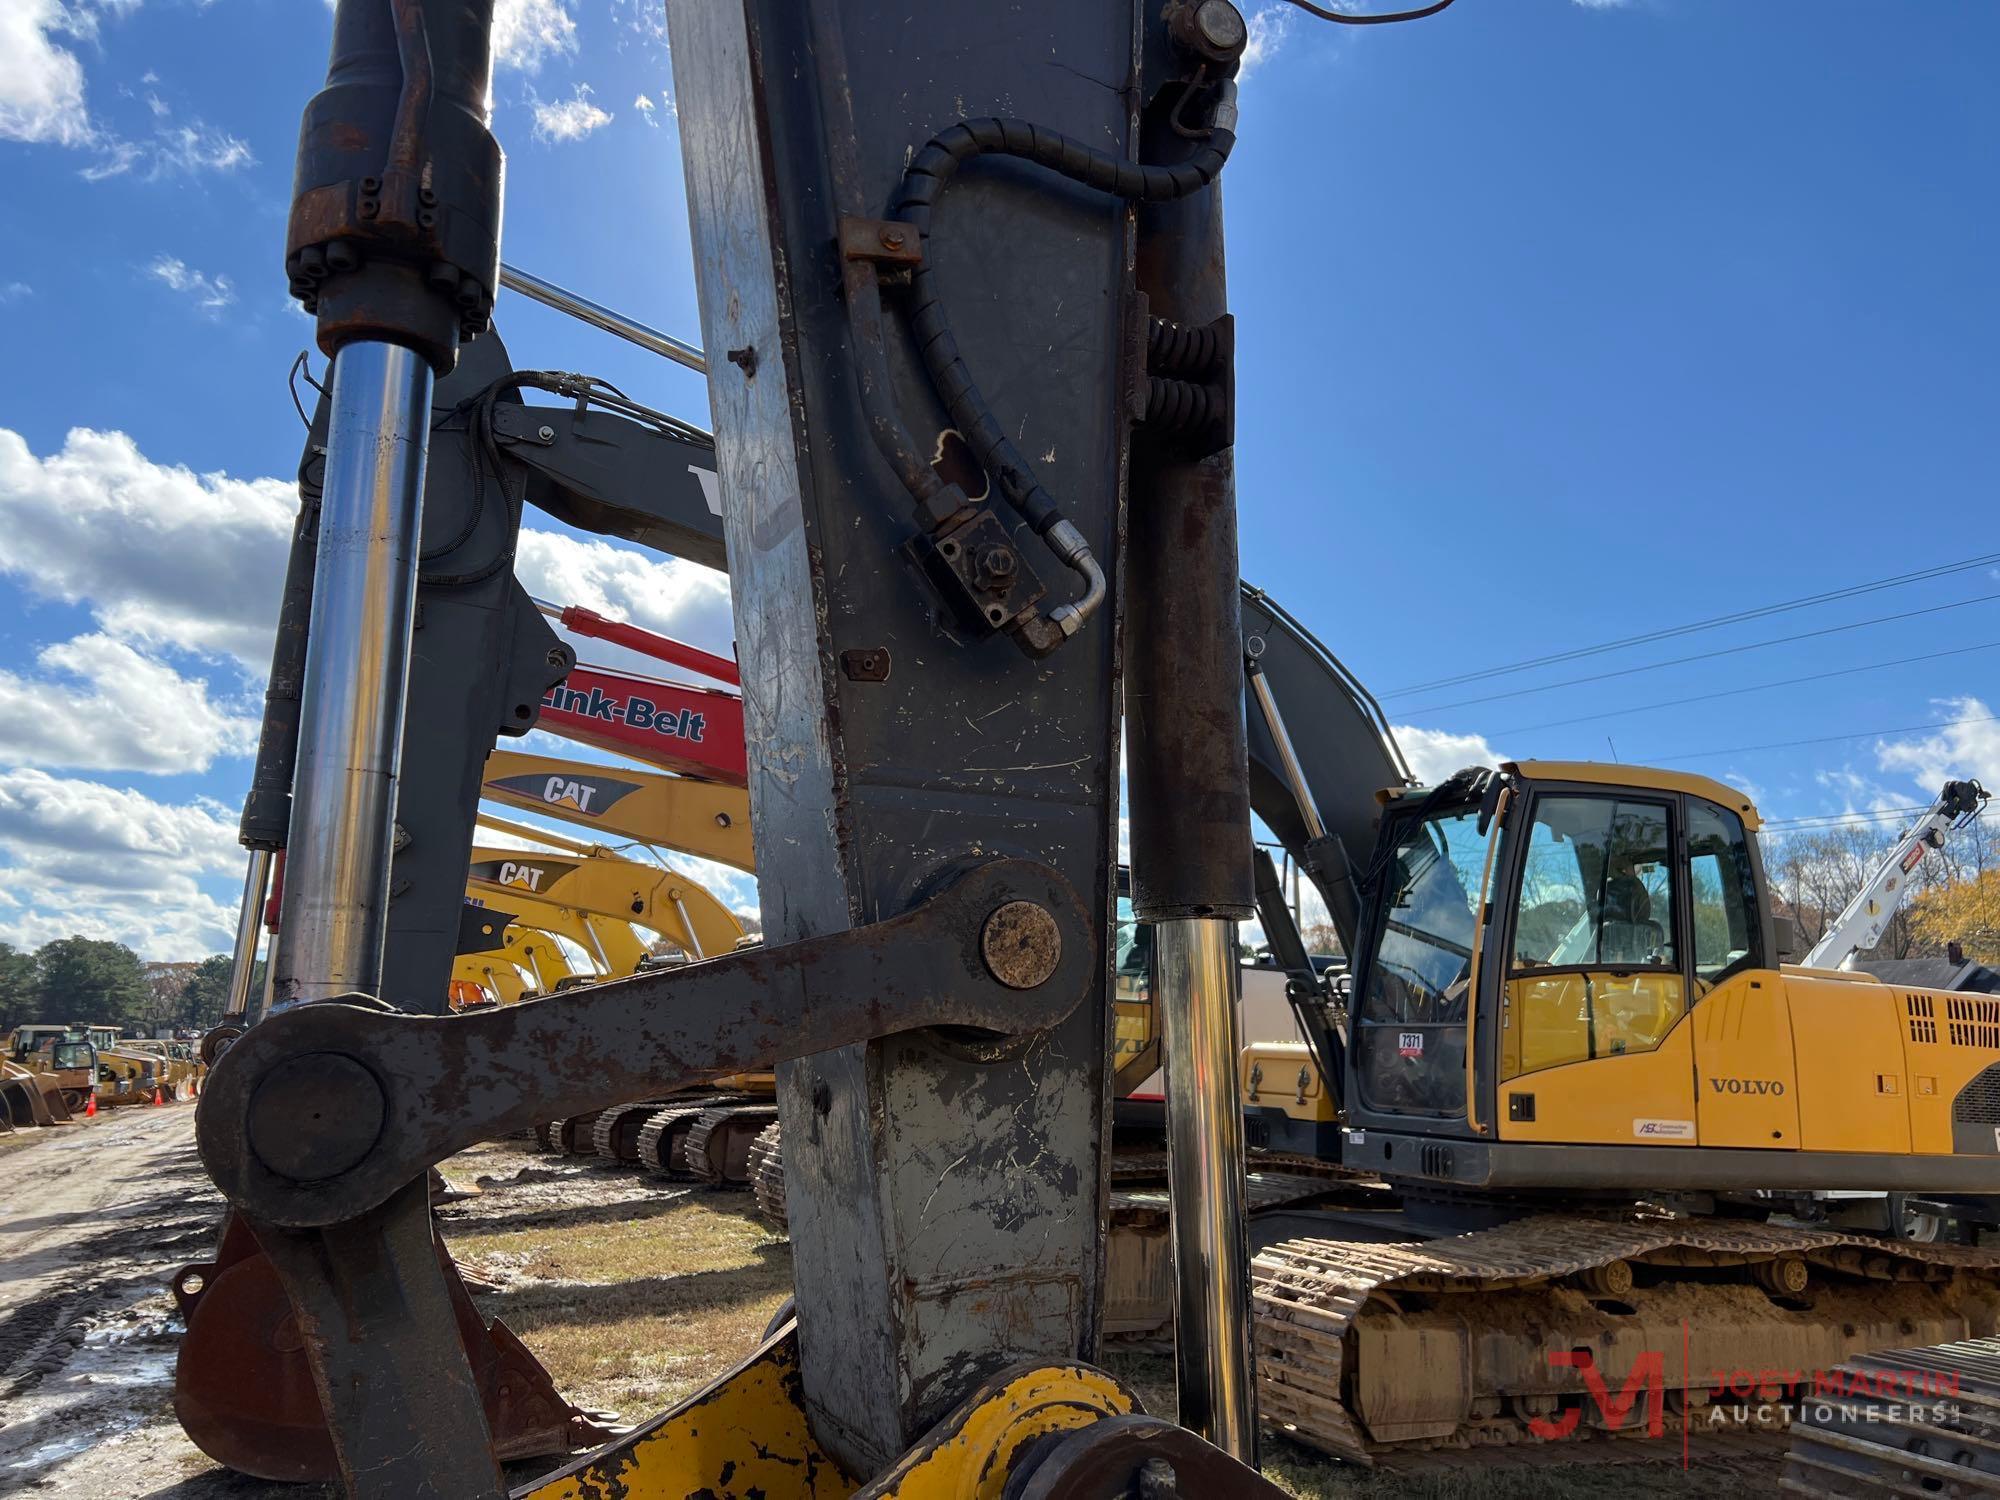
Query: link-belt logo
{"x": 1770, "y": 1086}
{"x": 631, "y": 710}
{"x": 595, "y": 796}
{"x": 523, "y": 875}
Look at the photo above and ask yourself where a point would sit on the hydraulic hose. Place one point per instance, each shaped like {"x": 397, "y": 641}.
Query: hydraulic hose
{"x": 930, "y": 171}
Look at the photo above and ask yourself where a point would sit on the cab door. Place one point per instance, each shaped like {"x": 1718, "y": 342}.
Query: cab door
{"x": 1593, "y": 1045}
{"x": 1745, "y": 1071}
{"x": 1411, "y": 995}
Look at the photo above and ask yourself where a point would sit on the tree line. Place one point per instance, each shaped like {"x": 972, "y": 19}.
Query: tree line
{"x": 99, "y": 982}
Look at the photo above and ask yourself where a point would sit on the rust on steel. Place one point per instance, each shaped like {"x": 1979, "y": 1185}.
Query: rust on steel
{"x": 414, "y": 1089}
{"x": 1021, "y": 944}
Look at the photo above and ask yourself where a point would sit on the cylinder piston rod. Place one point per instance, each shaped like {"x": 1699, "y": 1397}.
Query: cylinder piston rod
{"x": 598, "y": 315}
{"x": 1197, "y": 986}
{"x": 249, "y": 928}
{"x": 336, "y": 894}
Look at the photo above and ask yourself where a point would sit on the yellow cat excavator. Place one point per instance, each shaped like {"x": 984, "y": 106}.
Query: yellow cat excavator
{"x": 598, "y": 882}
{"x": 707, "y": 819}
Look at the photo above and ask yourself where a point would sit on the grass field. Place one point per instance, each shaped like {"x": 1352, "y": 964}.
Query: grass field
{"x": 636, "y": 1292}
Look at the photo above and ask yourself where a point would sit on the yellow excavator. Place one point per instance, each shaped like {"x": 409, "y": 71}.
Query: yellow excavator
{"x": 611, "y": 947}
{"x": 596, "y": 881}
{"x": 703, "y": 818}
{"x": 1581, "y": 1088}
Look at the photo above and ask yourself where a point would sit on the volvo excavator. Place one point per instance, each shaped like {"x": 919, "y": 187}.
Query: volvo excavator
{"x": 1574, "y": 1064}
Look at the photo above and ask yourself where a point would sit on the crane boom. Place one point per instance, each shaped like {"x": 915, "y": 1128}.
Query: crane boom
{"x": 1861, "y": 924}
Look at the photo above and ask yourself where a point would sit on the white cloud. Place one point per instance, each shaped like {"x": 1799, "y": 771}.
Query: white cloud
{"x": 1434, "y": 754}
{"x": 211, "y": 294}
{"x": 1967, "y": 747}
{"x": 160, "y": 554}
{"x": 1269, "y": 28}
{"x": 527, "y": 31}
{"x": 164, "y": 557}
{"x": 1600, "y": 4}
{"x": 112, "y": 863}
{"x": 569, "y": 119}
{"x": 83, "y": 831}
{"x": 41, "y": 83}
{"x": 197, "y": 147}
{"x": 15, "y": 291}
{"x": 644, "y": 105}
{"x": 102, "y": 705}
{"x": 645, "y": 20}
{"x": 42, "y": 98}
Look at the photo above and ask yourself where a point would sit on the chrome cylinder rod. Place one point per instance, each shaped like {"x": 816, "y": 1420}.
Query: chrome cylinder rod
{"x": 596, "y": 943}
{"x": 599, "y": 316}
{"x": 1288, "y": 757}
{"x": 249, "y": 928}
{"x": 333, "y": 917}
{"x": 1197, "y": 999}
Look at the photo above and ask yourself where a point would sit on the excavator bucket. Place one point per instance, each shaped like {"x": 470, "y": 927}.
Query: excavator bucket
{"x": 28, "y": 1098}
{"x": 243, "y": 1388}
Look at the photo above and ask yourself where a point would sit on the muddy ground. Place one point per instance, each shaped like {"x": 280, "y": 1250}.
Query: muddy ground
{"x": 633, "y": 1291}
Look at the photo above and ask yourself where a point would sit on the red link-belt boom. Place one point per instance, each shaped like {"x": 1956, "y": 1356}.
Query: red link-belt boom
{"x": 694, "y": 731}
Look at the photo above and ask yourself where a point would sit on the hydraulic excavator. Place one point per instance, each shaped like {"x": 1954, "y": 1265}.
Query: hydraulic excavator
{"x": 928, "y": 246}
{"x": 708, "y": 819}
{"x": 599, "y": 883}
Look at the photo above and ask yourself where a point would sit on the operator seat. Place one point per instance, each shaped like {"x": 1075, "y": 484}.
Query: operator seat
{"x": 1627, "y": 934}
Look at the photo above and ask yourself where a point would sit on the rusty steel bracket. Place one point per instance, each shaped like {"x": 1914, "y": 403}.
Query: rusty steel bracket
{"x": 322, "y": 1112}
{"x": 376, "y": 1319}
{"x": 893, "y": 246}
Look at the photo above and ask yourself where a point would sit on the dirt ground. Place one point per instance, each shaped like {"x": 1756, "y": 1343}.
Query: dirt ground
{"x": 632, "y": 1290}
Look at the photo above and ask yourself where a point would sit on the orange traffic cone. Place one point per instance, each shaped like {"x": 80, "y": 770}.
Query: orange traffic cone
{"x": 90, "y": 1109}
{"x": 157, "y": 1100}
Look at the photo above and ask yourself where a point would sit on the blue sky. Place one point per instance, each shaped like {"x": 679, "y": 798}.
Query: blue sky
{"x": 1558, "y": 323}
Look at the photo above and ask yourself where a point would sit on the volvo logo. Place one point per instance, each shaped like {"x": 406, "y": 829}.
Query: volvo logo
{"x": 1746, "y": 1085}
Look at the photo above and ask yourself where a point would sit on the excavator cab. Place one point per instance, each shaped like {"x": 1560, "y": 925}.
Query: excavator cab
{"x": 1568, "y": 980}
{"x": 1525, "y": 922}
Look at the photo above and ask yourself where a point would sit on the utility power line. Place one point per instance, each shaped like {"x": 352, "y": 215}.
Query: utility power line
{"x": 1714, "y": 622}
{"x": 1681, "y": 661}
{"x": 1824, "y": 739}
{"x": 1755, "y": 687}
{"x": 1834, "y": 820}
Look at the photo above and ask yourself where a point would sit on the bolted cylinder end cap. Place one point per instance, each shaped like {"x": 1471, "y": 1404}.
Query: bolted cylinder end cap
{"x": 1212, "y": 30}
{"x": 315, "y": 1117}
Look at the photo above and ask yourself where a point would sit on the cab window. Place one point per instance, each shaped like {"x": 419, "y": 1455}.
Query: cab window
{"x": 1411, "y": 1009}
{"x": 1724, "y": 895}
{"x": 1594, "y": 971}
{"x": 1597, "y": 888}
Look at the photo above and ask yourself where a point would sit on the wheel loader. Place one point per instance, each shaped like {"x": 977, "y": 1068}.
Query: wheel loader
{"x": 71, "y": 1065}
